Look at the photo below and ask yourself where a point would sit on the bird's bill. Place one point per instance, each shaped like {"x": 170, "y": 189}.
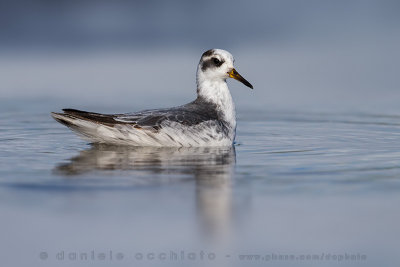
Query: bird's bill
{"x": 235, "y": 75}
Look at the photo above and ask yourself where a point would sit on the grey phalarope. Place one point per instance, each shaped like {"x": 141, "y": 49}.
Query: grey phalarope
{"x": 210, "y": 120}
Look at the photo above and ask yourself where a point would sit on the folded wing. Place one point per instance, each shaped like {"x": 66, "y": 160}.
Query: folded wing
{"x": 154, "y": 119}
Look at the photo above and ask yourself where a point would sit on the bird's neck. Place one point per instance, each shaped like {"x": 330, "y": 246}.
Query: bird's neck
{"x": 217, "y": 92}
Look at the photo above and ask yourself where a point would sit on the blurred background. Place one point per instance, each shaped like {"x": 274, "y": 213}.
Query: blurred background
{"x": 315, "y": 168}
{"x": 116, "y": 55}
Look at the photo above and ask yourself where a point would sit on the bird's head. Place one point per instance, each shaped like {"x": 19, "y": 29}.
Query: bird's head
{"x": 217, "y": 64}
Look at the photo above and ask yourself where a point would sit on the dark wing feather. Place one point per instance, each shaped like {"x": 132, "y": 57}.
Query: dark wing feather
{"x": 91, "y": 116}
{"x": 155, "y": 119}
{"x": 190, "y": 114}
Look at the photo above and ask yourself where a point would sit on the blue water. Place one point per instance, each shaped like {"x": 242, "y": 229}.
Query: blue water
{"x": 296, "y": 183}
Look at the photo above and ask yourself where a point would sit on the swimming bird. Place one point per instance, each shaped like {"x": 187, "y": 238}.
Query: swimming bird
{"x": 209, "y": 120}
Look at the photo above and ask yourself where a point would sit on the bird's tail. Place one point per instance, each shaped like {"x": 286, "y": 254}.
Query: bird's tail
{"x": 81, "y": 122}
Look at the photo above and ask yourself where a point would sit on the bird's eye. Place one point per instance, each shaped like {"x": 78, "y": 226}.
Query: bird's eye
{"x": 216, "y": 61}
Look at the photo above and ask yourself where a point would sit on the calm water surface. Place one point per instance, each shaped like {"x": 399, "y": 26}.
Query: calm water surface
{"x": 294, "y": 184}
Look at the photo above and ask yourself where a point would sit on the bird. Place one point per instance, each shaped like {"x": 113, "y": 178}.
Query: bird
{"x": 208, "y": 121}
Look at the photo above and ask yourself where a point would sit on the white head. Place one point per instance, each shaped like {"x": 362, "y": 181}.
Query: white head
{"x": 215, "y": 66}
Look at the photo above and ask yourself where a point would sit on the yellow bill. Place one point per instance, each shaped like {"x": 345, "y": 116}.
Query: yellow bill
{"x": 235, "y": 75}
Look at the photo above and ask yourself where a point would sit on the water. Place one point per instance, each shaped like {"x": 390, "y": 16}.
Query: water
{"x": 296, "y": 183}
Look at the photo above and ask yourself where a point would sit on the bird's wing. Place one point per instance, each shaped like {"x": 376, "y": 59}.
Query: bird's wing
{"x": 157, "y": 118}
{"x": 90, "y": 116}
{"x": 153, "y": 119}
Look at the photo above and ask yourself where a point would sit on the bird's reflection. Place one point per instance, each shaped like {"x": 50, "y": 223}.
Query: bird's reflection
{"x": 211, "y": 169}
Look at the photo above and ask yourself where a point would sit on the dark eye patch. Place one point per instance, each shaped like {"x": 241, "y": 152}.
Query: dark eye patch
{"x": 217, "y": 62}
{"x": 211, "y": 62}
